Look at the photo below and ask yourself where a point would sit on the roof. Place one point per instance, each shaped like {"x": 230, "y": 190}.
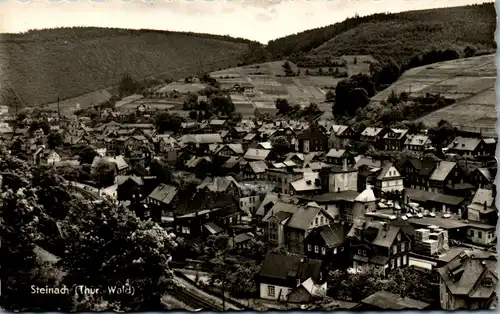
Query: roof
{"x": 375, "y": 232}
{"x": 333, "y": 234}
{"x": 389, "y": 301}
{"x": 335, "y": 153}
{"x": 231, "y": 162}
{"x": 333, "y": 196}
{"x": 120, "y": 161}
{"x": 119, "y": 180}
{"x": 236, "y": 148}
{"x": 270, "y": 198}
{"x": 266, "y": 145}
{"x": 194, "y": 161}
{"x": 307, "y": 183}
{"x": 416, "y": 139}
{"x": 217, "y": 184}
{"x": 463, "y": 274}
{"x": 213, "y": 228}
{"x": 201, "y": 138}
{"x": 303, "y": 218}
{"x": 424, "y": 166}
{"x": 426, "y": 196}
{"x": 399, "y": 133}
{"x": 484, "y": 196}
{"x": 242, "y": 237}
{"x": 486, "y": 173}
{"x": 370, "y": 131}
{"x": 164, "y": 193}
{"x": 279, "y": 206}
{"x": 249, "y": 136}
{"x": 289, "y": 267}
{"x": 338, "y": 129}
{"x": 365, "y": 161}
{"x": 465, "y": 143}
{"x": 366, "y": 196}
{"x": 444, "y": 223}
{"x": 442, "y": 170}
{"x": 258, "y": 166}
{"x": 256, "y": 154}
{"x": 217, "y": 122}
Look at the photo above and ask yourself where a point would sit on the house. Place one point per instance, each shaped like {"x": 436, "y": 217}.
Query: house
{"x": 336, "y": 156}
{"x": 216, "y": 126}
{"x": 481, "y": 234}
{"x": 310, "y": 184}
{"x": 281, "y": 275}
{"x": 120, "y": 163}
{"x": 372, "y": 136}
{"x": 340, "y": 136}
{"x": 468, "y": 146}
{"x": 129, "y": 188}
{"x": 227, "y": 185}
{"x": 327, "y": 243}
{"x": 162, "y": 201}
{"x": 394, "y": 139}
{"x": 286, "y": 225}
{"x": 233, "y": 165}
{"x": 387, "y": 179}
{"x": 228, "y": 150}
{"x": 201, "y": 214}
{"x": 482, "y": 207}
{"x": 436, "y": 201}
{"x": 255, "y": 170}
{"x": 446, "y": 173}
{"x": 469, "y": 281}
{"x": 4, "y": 109}
{"x": 417, "y": 142}
{"x": 52, "y": 158}
{"x": 312, "y": 140}
{"x": 378, "y": 244}
{"x": 387, "y": 301}
{"x": 417, "y": 172}
{"x": 338, "y": 179}
{"x": 483, "y": 177}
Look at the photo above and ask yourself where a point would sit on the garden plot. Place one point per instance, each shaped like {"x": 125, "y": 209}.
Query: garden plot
{"x": 182, "y": 87}
{"x": 319, "y": 81}
{"x": 487, "y": 97}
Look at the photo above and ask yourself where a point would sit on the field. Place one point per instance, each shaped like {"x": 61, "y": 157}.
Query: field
{"x": 271, "y": 84}
{"x": 70, "y": 62}
{"x": 181, "y": 88}
{"x": 471, "y": 82}
{"x": 81, "y": 102}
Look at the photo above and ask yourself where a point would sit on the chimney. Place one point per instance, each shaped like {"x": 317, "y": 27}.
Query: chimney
{"x": 444, "y": 209}
{"x": 433, "y": 210}
{"x": 344, "y": 166}
{"x": 485, "y": 205}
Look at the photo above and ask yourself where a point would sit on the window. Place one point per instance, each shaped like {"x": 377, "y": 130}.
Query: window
{"x": 392, "y": 263}
{"x": 364, "y": 252}
{"x": 270, "y": 291}
{"x": 316, "y": 220}
{"x": 323, "y": 250}
{"x": 335, "y": 251}
{"x": 309, "y": 247}
{"x": 341, "y": 249}
{"x": 230, "y": 220}
{"x": 402, "y": 247}
{"x": 321, "y": 219}
{"x": 472, "y": 233}
{"x": 394, "y": 249}
{"x": 399, "y": 237}
{"x": 207, "y": 216}
{"x": 406, "y": 258}
{"x": 480, "y": 234}
{"x": 316, "y": 249}
{"x": 359, "y": 251}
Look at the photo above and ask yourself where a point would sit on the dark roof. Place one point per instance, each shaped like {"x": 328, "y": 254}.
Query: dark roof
{"x": 426, "y": 196}
{"x": 389, "y": 301}
{"x": 164, "y": 193}
{"x": 425, "y": 167}
{"x": 332, "y": 197}
{"x": 333, "y": 234}
{"x": 192, "y": 203}
{"x": 290, "y": 267}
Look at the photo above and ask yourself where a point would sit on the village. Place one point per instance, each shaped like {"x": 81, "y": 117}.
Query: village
{"x": 296, "y": 199}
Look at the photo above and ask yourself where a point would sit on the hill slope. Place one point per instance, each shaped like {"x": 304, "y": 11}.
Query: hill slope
{"x": 74, "y": 61}
{"x": 399, "y": 35}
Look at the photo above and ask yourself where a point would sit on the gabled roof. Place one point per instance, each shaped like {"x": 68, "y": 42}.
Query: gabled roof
{"x": 258, "y": 166}
{"x": 484, "y": 196}
{"x": 218, "y": 184}
{"x": 280, "y": 206}
{"x": 236, "y": 148}
{"x": 387, "y": 166}
{"x": 164, "y": 193}
{"x": 486, "y": 173}
{"x": 249, "y": 136}
{"x": 398, "y": 132}
{"x": 370, "y": 131}
{"x": 365, "y": 161}
{"x": 303, "y": 218}
{"x": 443, "y": 170}
{"x": 333, "y": 234}
{"x": 425, "y": 166}
{"x": 201, "y": 138}
{"x": 389, "y": 301}
{"x": 338, "y": 129}
{"x": 119, "y": 180}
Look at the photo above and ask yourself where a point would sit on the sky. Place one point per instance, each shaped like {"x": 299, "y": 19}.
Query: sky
{"x": 259, "y": 20}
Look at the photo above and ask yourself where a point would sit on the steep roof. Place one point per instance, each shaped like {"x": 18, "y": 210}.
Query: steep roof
{"x": 366, "y": 196}
{"x": 416, "y": 139}
{"x": 389, "y": 301}
{"x": 370, "y": 131}
{"x": 375, "y": 232}
{"x": 399, "y": 133}
{"x": 442, "y": 170}
{"x": 258, "y": 166}
{"x": 333, "y": 234}
{"x": 483, "y": 196}
{"x": 303, "y": 218}
{"x": 218, "y": 184}
{"x": 164, "y": 193}
{"x": 335, "y": 153}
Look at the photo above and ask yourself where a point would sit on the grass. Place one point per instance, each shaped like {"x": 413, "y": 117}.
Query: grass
{"x": 398, "y": 36}
{"x": 70, "y": 62}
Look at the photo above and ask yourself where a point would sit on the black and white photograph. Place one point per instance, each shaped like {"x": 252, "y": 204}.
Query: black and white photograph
{"x": 247, "y": 155}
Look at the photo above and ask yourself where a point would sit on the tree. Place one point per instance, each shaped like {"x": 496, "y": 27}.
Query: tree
{"x": 109, "y": 246}
{"x": 469, "y": 51}
{"x": 127, "y": 86}
{"x": 54, "y": 140}
{"x": 215, "y": 244}
{"x": 161, "y": 171}
{"x": 193, "y": 114}
{"x": 393, "y": 98}
{"x": 283, "y": 106}
{"x": 222, "y": 105}
{"x": 287, "y": 66}
{"x": 241, "y": 283}
{"x": 86, "y": 153}
{"x": 105, "y": 173}
{"x": 348, "y": 102}
{"x": 40, "y": 124}
{"x": 330, "y": 96}
{"x": 281, "y": 145}
{"x": 165, "y": 121}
